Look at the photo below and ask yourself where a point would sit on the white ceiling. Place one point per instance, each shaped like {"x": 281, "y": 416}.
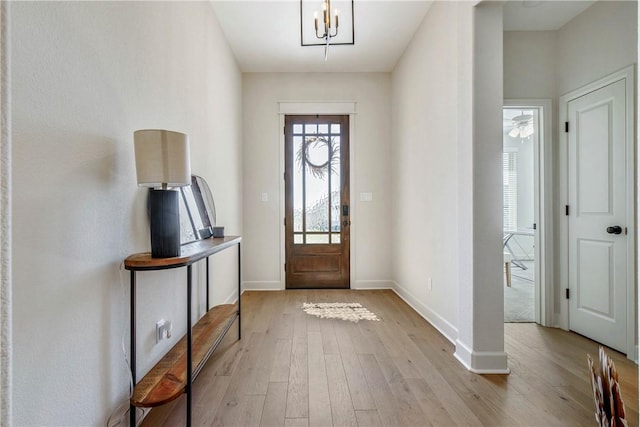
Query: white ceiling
{"x": 537, "y": 15}
{"x": 265, "y": 34}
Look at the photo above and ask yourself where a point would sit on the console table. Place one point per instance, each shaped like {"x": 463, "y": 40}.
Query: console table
{"x": 175, "y": 372}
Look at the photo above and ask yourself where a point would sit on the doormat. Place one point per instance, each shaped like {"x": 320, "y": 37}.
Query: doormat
{"x": 351, "y": 311}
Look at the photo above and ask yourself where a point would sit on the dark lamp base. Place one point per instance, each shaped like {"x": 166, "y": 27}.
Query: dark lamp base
{"x": 164, "y": 218}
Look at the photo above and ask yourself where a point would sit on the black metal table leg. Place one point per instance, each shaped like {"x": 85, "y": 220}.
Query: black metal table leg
{"x": 132, "y": 345}
{"x": 144, "y": 262}
{"x": 189, "y": 355}
{"x": 239, "y": 291}
{"x": 207, "y": 284}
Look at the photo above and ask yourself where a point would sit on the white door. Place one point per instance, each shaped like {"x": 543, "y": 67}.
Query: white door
{"x": 597, "y": 194}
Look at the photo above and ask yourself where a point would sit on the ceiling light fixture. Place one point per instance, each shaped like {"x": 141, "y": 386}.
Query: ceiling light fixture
{"x": 325, "y": 25}
{"x": 522, "y": 126}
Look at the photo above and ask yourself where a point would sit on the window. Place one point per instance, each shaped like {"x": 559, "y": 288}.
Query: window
{"x": 510, "y": 190}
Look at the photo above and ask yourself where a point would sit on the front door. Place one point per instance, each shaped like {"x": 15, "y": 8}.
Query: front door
{"x": 598, "y": 215}
{"x": 317, "y": 212}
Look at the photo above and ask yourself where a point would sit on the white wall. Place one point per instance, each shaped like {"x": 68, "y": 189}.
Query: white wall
{"x": 370, "y": 163}
{"x": 529, "y": 64}
{"x": 425, "y": 168}
{"x": 480, "y": 343}
{"x": 447, "y": 144}
{"x": 599, "y": 41}
{"x": 6, "y": 374}
{"x": 547, "y": 64}
{"x": 85, "y": 76}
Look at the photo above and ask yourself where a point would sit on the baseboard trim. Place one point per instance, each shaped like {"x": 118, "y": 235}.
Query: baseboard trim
{"x": 273, "y": 285}
{"x": 449, "y": 331}
{"x": 362, "y": 285}
{"x": 232, "y": 298}
{"x": 481, "y": 362}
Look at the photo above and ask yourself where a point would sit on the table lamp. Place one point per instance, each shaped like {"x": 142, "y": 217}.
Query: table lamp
{"x": 162, "y": 163}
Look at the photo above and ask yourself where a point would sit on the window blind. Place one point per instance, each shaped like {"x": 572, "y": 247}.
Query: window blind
{"x": 510, "y": 190}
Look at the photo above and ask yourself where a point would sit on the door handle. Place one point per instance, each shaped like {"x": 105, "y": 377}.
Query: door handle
{"x": 616, "y": 229}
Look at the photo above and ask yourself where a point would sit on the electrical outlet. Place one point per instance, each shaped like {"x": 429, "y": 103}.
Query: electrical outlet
{"x": 430, "y": 284}
{"x": 163, "y": 330}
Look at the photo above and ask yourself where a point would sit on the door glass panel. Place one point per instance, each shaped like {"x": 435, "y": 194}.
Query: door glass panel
{"x": 315, "y": 239}
{"x": 335, "y": 186}
{"x": 316, "y": 183}
{"x": 315, "y": 157}
{"x": 297, "y": 187}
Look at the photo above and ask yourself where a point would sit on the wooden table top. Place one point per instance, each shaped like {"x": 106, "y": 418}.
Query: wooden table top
{"x": 189, "y": 253}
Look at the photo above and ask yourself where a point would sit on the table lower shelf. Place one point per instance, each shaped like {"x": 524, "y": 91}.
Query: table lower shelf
{"x": 166, "y": 381}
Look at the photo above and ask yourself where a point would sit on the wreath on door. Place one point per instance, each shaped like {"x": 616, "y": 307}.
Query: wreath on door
{"x": 318, "y": 170}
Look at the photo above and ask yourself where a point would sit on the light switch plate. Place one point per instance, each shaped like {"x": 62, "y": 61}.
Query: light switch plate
{"x": 366, "y": 197}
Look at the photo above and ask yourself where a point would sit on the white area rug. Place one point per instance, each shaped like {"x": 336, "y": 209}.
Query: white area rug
{"x": 351, "y": 311}
{"x": 519, "y": 299}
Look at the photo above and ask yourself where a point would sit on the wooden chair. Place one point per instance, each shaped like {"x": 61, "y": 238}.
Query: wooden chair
{"x": 507, "y": 267}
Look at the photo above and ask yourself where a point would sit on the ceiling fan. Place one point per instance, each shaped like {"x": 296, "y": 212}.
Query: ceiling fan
{"x": 522, "y": 126}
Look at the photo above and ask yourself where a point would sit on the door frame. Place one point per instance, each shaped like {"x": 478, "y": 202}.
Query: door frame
{"x": 628, "y": 75}
{"x": 323, "y": 108}
{"x": 543, "y": 182}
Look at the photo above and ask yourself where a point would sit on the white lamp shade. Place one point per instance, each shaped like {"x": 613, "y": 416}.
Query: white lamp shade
{"x": 162, "y": 157}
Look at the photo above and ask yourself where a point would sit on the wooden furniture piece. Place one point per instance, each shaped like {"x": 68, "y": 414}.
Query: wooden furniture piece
{"x": 175, "y": 372}
{"x": 507, "y": 267}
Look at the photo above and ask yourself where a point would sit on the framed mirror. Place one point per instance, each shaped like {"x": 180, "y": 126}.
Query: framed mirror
{"x": 205, "y": 200}
{"x": 187, "y": 232}
{"x": 197, "y": 211}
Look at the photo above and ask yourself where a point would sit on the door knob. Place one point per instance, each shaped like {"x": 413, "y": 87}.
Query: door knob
{"x": 616, "y": 229}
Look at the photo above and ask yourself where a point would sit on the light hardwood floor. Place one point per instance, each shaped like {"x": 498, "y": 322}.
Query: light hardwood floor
{"x": 291, "y": 369}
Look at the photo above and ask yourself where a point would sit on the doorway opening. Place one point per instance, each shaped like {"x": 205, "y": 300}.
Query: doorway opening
{"x": 525, "y": 178}
{"x": 520, "y": 130}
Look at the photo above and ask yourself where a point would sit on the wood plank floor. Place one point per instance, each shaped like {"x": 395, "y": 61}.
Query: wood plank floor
{"x": 292, "y": 369}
